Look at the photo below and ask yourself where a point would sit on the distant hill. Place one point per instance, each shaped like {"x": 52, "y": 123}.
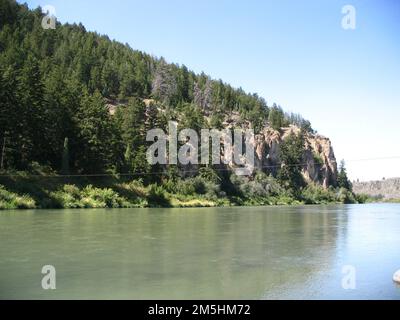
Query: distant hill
{"x": 384, "y": 189}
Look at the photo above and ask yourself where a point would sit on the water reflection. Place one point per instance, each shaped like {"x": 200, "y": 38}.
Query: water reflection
{"x": 213, "y": 253}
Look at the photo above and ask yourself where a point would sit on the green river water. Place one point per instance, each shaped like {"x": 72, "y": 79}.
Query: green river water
{"x": 205, "y": 253}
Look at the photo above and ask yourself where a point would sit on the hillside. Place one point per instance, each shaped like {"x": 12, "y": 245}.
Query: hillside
{"x": 76, "y": 104}
{"x": 387, "y": 189}
{"x": 50, "y": 73}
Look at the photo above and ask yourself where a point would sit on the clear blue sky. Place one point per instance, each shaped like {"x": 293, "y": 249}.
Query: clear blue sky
{"x": 294, "y": 53}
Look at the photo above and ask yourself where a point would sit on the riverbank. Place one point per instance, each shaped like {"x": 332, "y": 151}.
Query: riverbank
{"x": 379, "y": 200}
{"x": 23, "y": 191}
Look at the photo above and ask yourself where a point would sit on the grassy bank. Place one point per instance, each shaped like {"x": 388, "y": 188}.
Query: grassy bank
{"x": 380, "y": 199}
{"x": 43, "y": 191}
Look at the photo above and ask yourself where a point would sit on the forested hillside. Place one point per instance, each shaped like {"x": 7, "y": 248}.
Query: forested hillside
{"x": 58, "y": 88}
{"x": 54, "y": 82}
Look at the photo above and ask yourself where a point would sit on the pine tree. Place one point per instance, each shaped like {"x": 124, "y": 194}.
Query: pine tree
{"x": 184, "y": 84}
{"x": 32, "y": 112}
{"x": 192, "y": 118}
{"x": 343, "y": 181}
{"x": 10, "y": 124}
{"x": 216, "y": 121}
{"x": 276, "y": 117}
{"x": 4, "y": 120}
{"x": 96, "y": 135}
{"x": 132, "y": 122}
{"x": 291, "y": 157}
{"x": 152, "y": 117}
{"x": 8, "y": 12}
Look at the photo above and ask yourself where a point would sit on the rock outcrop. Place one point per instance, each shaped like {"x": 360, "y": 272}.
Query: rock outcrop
{"x": 384, "y": 189}
{"x": 319, "y": 162}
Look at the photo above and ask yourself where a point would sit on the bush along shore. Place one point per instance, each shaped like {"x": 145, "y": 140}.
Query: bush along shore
{"x": 22, "y": 190}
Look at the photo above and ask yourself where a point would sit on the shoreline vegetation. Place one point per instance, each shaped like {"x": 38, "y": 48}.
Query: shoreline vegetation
{"x": 76, "y": 107}
{"x": 46, "y": 190}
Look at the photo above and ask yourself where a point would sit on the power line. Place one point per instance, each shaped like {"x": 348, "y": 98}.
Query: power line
{"x": 373, "y": 159}
{"x": 134, "y": 174}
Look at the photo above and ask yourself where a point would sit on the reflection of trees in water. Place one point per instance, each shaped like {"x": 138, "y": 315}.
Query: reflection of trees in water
{"x": 233, "y": 252}
{"x": 314, "y": 236}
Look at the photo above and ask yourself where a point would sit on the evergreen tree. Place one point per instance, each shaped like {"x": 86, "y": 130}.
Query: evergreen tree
{"x": 95, "y": 134}
{"x": 8, "y": 12}
{"x": 184, "y": 84}
{"x": 152, "y": 117}
{"x": 11, "y": 122}
{"x": 343, "y": 181}
{"x": 216, "y": 121}
{"x": 276, "y": 117}
{"x": 192, "y": 118}
{"x": 132, "y": 121}
{"x": 291, "y": 157}
{"x": 32, "y": 113}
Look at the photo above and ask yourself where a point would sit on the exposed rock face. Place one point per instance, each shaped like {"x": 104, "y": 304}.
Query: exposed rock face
{"x": 320, "y": 148}
{"x": 319, "y": 162}
{"x": 386, "y": 189}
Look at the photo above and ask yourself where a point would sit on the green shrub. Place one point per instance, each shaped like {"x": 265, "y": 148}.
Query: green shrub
{"x": 90, "y": 197}
{"x": 262, "y": 185}
{"x": 209, "y": 175}
{"x": 286, "y": 199}
{"x": 194, "y": 186}
{"x": 363, "y": 198}
{"x": 157, "y": 197}
{"x": 72, "y": 190}
{"x": 101, "y": 198}
{"x": 316, "y": 194}
{"x": 25, "y": 202}
{"x": 136, "y": 187}
{"x": 186, "y": 187}
{"x": 69, "y": 197}
{"x": 10, "y": 200}
{"x": 345, "y": 196}
{"x": 318, "y": 159}
{"x": 170, "y": 186}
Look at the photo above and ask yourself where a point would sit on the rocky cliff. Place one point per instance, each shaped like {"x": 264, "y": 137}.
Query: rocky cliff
{"x": 319, "y": 162}
{"x": 385, "y": 189}
{"x": 318, "y": 165}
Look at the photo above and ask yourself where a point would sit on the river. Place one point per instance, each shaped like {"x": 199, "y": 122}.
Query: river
{"x": 306, "y": 252}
